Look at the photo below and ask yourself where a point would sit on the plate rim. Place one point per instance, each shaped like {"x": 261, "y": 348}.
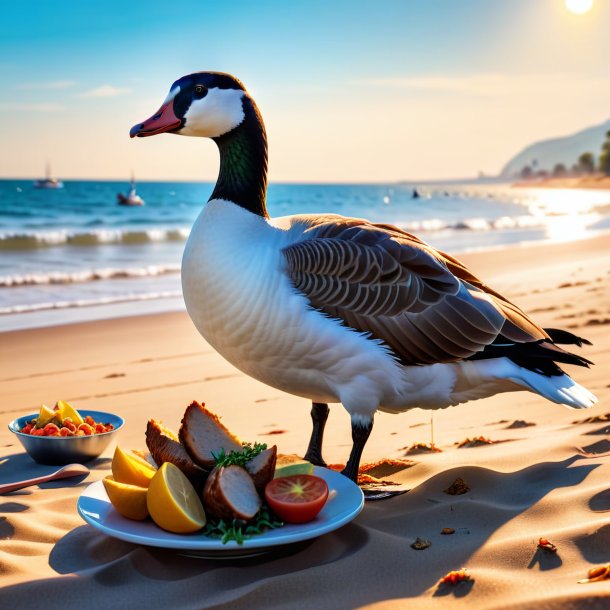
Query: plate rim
{"x": 186, "y": 542}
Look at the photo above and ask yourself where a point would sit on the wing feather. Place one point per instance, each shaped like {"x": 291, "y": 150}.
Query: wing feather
{"x": 424, "y": 305}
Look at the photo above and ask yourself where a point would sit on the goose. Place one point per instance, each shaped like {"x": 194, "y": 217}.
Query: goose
{"x": 336, "y": 309}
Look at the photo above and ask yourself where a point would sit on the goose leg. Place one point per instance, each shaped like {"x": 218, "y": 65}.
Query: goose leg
{"x": 360, "y": 434}
{"x": 319, "y": 415}
{"x": 361, "y": 430}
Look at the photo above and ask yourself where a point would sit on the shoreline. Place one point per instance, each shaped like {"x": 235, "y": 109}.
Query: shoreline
{"x": 582, "y": 182}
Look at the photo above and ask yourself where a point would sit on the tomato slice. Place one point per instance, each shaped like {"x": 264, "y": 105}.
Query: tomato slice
{"x": 298, "y": 498}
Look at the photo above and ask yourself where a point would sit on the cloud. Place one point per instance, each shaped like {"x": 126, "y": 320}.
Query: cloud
{"x": 31, "y": 107}
{"x": 58, "y": 84}
{"x": 105, "y": 91}
{"x": 491, "y": 84}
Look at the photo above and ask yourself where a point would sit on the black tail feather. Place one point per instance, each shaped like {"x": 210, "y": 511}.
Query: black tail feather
{"x": 538, "y": 356}
{"x": 564, "y": 337}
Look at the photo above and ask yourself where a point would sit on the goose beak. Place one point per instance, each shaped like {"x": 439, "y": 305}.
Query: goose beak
{"x": 164, "y": 120}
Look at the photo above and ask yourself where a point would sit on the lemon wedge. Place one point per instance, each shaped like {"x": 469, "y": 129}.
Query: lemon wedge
{"x": 45, "y": 416}
{"x": 67, "y": 410}
{"x": 130, "y": 469}
{"x": 173, "y": 502}
{"x": 129, "y": 500}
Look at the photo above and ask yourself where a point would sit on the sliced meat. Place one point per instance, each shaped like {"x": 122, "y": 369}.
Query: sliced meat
{"x": 262, "y": 468}
{"x": 229, "y": 493}
{"x": 203, "y": 434}
{"x": 164, "y": 446}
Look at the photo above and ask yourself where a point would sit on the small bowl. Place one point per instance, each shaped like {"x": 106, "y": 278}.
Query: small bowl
{"x": 61, "y": 450}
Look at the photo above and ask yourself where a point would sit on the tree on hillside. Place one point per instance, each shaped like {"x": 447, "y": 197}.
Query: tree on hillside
{"x": 559, "y": 171}
{"x": 604, "y": 158}
{"x": 586, "y": 163}
{"x": 526, "y": 172}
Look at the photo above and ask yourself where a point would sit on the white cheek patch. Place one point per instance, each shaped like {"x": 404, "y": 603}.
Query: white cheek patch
{"x": 171, "y": 95}
{"x": 217, "y": 113}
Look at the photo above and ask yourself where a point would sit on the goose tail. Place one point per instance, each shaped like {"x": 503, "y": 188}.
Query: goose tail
{"x": 561, "y": 389}
{"x": 481, "y": 378}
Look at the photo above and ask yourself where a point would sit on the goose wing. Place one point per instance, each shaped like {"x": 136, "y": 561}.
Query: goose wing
{"x": 425, "y": 305}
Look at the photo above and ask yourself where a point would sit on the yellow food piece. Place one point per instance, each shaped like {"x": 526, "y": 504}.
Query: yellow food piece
{"x": 288, "y": 465}
{"x": 129, "y": 500}
{"x": 67, "y": 410}
{"x": 45, "y": 416}
{"x": 173, "y": 502}
{"x": 131, "y": 469}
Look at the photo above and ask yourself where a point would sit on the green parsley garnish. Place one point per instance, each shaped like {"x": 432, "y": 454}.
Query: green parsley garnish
{"x": 239, "y": 458}
{"x": 238, "y": 530}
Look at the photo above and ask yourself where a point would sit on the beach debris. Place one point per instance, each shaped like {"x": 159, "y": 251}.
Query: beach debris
{"x": 420, "y": 544}
{"x": 547, "y": 545}
{"x": 593, "y": 419}
{"x": 422, "y": 448}
{"x": 456, "y": 576}
{"x": 599, "y": 431}
{"x": 457, "y": 488}
{"x": 597, "y": 322}
{"x": 374, "y": 473}
{"x": 595, "y": 450}
{"x": 520, "y": 423}
{"x": 447, "y": 531}
{"x": 476, "y": 441}
{"x": 596, "y": 574}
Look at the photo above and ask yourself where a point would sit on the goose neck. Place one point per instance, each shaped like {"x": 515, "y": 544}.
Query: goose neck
{"x": 242, "y": 178}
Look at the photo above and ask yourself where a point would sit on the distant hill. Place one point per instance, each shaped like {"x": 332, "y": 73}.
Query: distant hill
{"x": 566, "y": 150}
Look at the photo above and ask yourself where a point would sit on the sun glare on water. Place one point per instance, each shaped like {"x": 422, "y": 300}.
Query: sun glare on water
{"x": 579, "y": 7}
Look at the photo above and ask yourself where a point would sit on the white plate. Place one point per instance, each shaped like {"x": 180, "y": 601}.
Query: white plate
{"x": 344, "y": 504}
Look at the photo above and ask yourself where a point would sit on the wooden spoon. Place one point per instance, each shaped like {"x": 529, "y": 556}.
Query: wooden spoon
{"x": 70, "y": 470}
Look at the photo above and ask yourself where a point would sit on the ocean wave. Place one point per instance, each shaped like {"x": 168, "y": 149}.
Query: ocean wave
{"x": 473, "y": 224}
{"x": 127, "y": 298}
{"x": 98, "y": 237}
{"x": 47, "y": 239}
{"x": 85, "y": 275}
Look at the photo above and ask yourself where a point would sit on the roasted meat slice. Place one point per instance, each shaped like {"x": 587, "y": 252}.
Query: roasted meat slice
{"x": 203, "y": 434}
{"x": 229, "y": 493}
{"x": 262, "y": 468}
{"x": 164, "y": 446}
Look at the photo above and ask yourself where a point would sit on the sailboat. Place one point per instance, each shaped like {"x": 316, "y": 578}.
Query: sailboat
{"x": 47, "y": 182}
{"x": 132, "y": 198}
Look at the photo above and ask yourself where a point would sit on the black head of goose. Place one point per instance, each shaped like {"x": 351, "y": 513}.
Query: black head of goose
{"x": 337, "y": 309}
{"x": 217, "y": 106}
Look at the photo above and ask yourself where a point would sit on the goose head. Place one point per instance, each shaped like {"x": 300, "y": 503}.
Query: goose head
{"x": 202, "y": 104}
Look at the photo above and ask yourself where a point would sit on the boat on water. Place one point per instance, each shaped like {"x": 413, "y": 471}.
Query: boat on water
{"x": 48, "y": 182}
{"x": 131, "y": 198}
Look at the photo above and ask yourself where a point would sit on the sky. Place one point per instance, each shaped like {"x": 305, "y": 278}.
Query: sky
{"x": 350, "y": 90}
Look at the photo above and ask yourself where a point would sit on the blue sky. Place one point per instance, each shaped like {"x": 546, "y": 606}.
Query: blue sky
{"x": 350, "y": 91}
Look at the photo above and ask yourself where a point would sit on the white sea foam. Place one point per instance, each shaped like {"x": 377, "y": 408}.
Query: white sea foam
{"x": 85, "y": 275}
{"x": 46, "y": 239}
{"x": 474, "y": 224}
{"x": 126, "y": 298}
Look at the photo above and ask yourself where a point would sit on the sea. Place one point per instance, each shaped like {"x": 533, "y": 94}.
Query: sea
{"x": 74, "y": 254}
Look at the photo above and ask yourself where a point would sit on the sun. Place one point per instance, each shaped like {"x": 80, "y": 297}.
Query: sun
{"x": 579, "y": 7}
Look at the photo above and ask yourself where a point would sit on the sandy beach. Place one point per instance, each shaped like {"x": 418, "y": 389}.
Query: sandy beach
{"x": 549, "y": 478}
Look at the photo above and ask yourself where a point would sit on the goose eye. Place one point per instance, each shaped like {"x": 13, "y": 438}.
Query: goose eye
{"x": 200, "y": 90}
